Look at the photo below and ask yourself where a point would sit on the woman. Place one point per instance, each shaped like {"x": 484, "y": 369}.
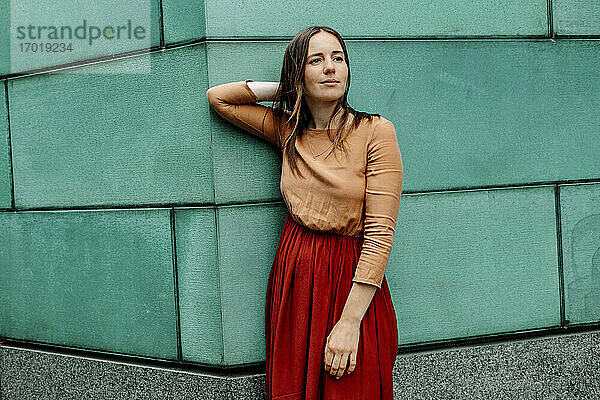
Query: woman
{"x": 330, "y": 324}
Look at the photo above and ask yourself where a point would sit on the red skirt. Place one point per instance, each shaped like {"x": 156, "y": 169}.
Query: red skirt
{"x": 309, "y": 283}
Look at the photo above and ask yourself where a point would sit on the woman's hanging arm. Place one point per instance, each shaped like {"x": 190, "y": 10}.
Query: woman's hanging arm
{"x": 384, "y": 175}
{"x": 237, "y": 103}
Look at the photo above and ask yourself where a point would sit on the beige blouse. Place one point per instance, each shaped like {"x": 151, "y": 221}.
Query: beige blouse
{"x": 355, "y": 194}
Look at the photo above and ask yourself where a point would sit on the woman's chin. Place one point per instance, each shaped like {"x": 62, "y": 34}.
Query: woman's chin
{"x": 325, "y": 95}
{"x": 330, "y": 97}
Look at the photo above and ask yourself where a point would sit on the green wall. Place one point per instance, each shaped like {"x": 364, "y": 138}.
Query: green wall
{"x": 136, "y": 221}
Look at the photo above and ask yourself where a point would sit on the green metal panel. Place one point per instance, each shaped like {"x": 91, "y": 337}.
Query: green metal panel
{"x": 198, "y": 282}
{"x": 46, "y": 14}
{"x": 110, "y": 137}
{"x": 100, "y": 279}
{"x": 458, "y": 122}
{"x": 467, "y": 113}
{"x": 5, "y": 178}
{"x": 576, "y": 17}
{"x": 580, "y": 225}
{"x": 264, "y": 18}
{"x": 474, "y": 263}
{"x": 486, "y": 113}
{"x": 183, "y": 20}
{"x": 248, "y": 239}
{"x": 246, "y": 168}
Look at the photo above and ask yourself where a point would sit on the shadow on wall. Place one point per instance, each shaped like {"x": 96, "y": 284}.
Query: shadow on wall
{"x": 584, "y": 290}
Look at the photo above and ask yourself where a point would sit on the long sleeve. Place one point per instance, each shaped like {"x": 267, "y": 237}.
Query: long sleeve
{"x": 382, "y": 201}
{"x": 236, "y": 102}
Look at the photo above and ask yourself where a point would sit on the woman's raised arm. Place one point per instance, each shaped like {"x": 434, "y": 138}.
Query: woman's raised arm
{"x": 264, "y": 91}
{"x": 236, "y": 102}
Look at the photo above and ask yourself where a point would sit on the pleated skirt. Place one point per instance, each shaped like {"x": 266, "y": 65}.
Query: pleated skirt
{"x": 309, "y": 282}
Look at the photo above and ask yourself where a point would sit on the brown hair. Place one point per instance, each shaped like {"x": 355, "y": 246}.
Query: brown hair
{"x": 290, "y": 95}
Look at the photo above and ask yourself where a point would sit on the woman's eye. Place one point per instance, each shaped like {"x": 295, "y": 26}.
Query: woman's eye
{"x": 337, "y": 58}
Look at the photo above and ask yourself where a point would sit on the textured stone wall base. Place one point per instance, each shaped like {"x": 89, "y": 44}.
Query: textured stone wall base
{"x": 559, "y": 367}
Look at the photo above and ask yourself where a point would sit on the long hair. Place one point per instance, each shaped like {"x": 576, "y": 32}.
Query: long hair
{"x": 290, "y": 96}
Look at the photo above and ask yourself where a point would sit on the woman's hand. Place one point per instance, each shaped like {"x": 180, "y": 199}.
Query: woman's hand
{"x": 341, "y": 345}
{"x": 264, "y": 91}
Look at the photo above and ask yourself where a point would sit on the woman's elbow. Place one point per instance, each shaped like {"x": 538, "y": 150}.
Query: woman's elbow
{"x": 214, "y": 99}
{"x": 211, "y": 97}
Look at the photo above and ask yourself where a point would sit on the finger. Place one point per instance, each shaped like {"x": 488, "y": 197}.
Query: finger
{"x": 328, "y": 358}
{"x": 352, "y": 362}
{"x": 343, "y": 362}
{"x": 335, "y": 364}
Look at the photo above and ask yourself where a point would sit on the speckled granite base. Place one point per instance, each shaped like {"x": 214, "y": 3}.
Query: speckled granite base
{"x": 562, "y": 367}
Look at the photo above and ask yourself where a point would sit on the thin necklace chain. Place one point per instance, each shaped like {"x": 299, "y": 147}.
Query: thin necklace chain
{"x": 310, "y": 147}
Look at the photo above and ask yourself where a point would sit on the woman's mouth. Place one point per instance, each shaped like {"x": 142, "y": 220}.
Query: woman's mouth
{"x": 329, "y": 83}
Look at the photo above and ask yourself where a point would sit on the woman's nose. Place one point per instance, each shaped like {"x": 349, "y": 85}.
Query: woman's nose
{"x": 328, "y": 65}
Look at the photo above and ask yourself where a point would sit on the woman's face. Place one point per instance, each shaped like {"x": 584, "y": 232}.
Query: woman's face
{"x": 325, "y": 61}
